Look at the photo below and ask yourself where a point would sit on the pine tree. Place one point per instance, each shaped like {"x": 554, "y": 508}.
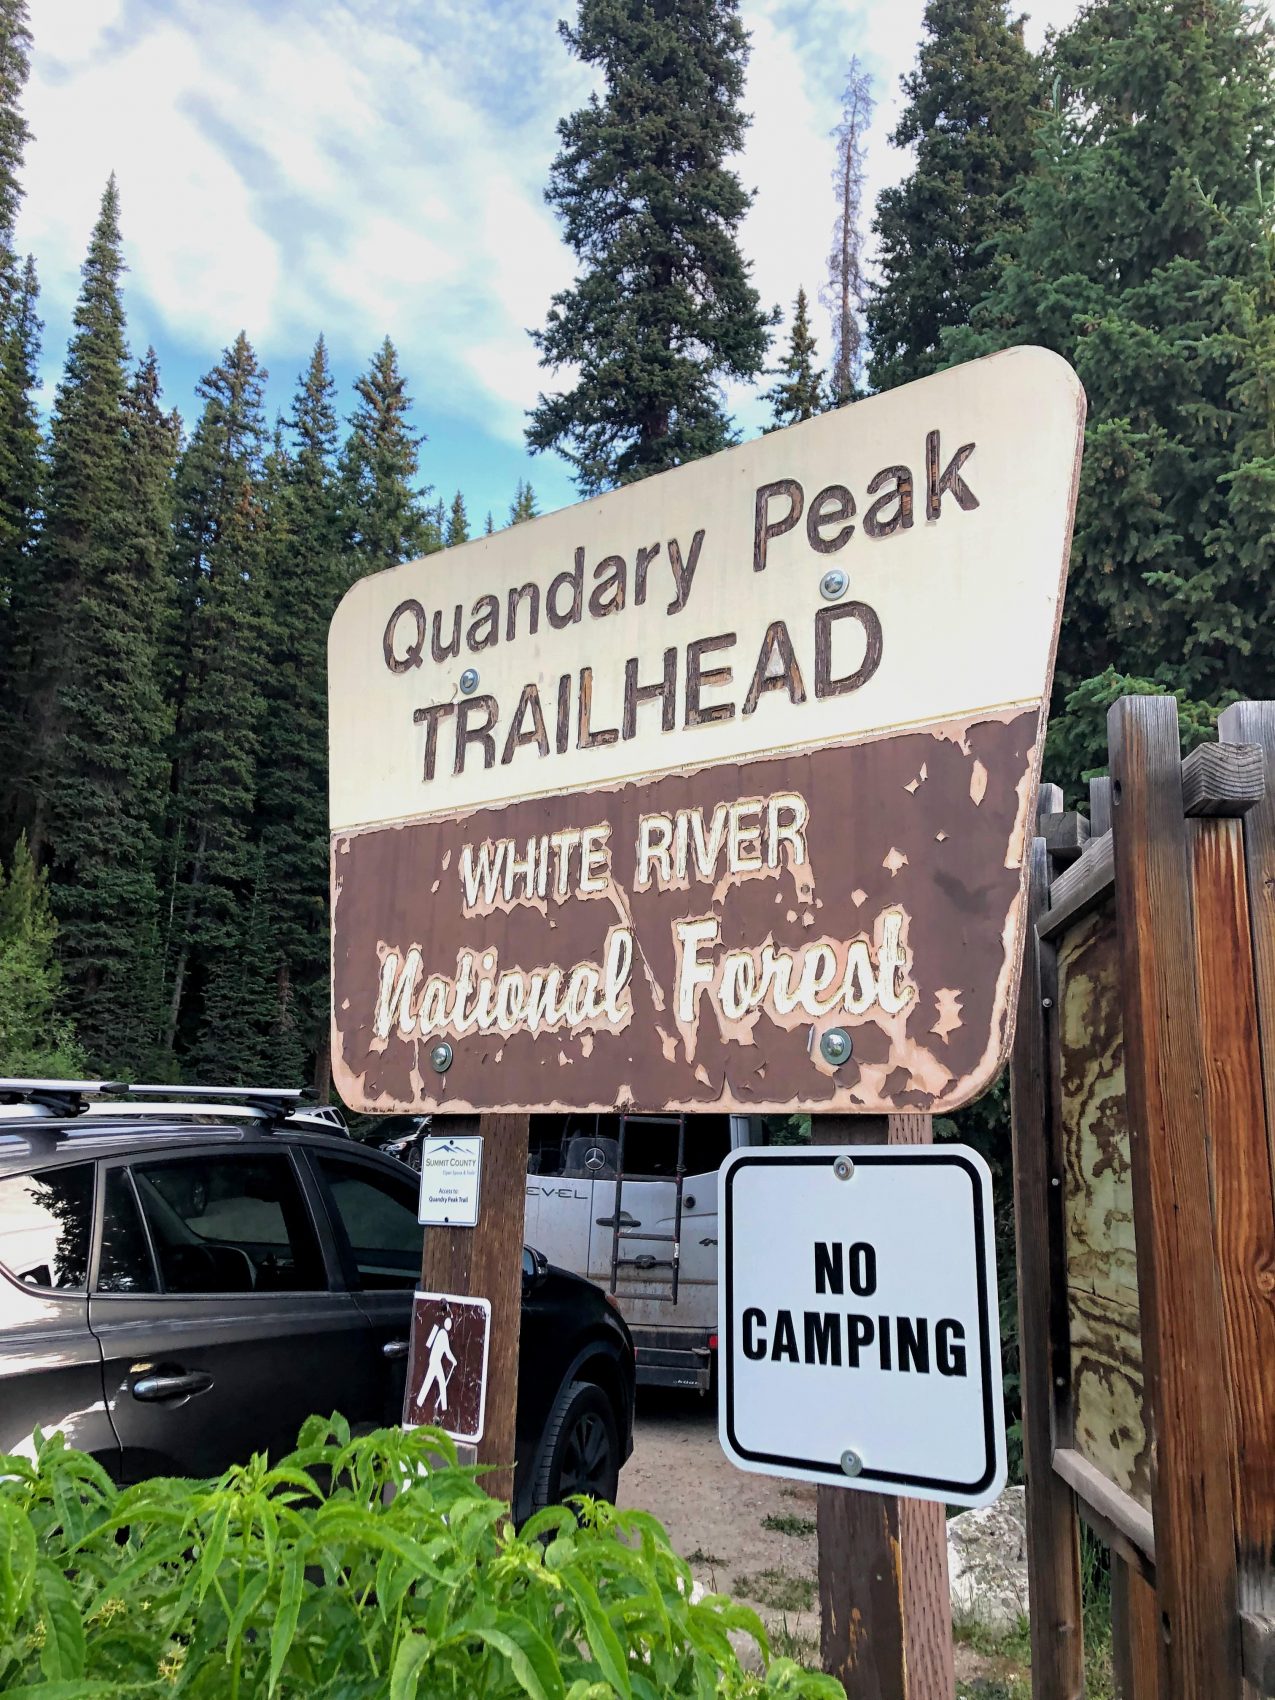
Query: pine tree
{"x": 21, "y": 476}
{"x": 15, "y": 67}
{"x": 36, "y": 1037}
{"x": 488, "y": 524}
{"x": 1144, "y": 257}
{"x": 798, "y": 391}
{"x": 972, "y": 106}
{"x": 289, "y": 909}
{"x": 386, "y": 516}
{"x": 108, "y": 779}
{"x": 80, "y": 530}
{"x": 219, "y": 662}
{"x": 844, "y": 294}
{"x": 523, "y": 505}
{"x": 663, "y": 310}
{"x": 457, "y": 523}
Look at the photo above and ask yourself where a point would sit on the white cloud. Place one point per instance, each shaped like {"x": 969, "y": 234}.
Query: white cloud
{"x": 364, "y": 166}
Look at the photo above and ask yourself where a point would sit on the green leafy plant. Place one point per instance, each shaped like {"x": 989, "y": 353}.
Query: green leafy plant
{"x": 354, "y": 1568}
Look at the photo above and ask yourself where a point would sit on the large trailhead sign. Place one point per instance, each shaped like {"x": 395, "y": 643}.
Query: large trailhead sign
{"x": 860, "y": 1332}
{"x": 713, "y": 791}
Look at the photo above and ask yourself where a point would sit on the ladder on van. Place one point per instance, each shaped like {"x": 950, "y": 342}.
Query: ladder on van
{"x": 619, "y": 1232}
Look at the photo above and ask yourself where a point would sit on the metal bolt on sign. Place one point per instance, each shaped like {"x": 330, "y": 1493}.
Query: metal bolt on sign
{"x": 469, "y": 681}
{"x": 843, "y": 1169}
{"x": 851, "y": 1462}
{"x": 835, "y": 1046}
{"x": 834, "y": 584}
{"x": 440, "y": 1058}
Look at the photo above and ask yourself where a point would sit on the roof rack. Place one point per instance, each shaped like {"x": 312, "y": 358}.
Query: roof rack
{"x": 270, "y": 1104}
{"x": 55, "y": 1097}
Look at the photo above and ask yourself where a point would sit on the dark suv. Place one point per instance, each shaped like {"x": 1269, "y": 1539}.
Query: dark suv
{"x": 176, "y": 1294}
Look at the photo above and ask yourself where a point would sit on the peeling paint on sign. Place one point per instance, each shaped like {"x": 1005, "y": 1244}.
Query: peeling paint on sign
{"x": 696, "y": 815}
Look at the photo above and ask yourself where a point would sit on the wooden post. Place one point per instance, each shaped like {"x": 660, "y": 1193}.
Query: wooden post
{"x": 1053, "y": 1536}
{"x": 1179, "y": 1298}
{"x": 486, "y": 1263}
{"x": 885, "y": 1608}
{"x": 1136, "y": 1645}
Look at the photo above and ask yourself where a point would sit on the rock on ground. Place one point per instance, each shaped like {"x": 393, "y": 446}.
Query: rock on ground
{"x": 987, "y": 1563}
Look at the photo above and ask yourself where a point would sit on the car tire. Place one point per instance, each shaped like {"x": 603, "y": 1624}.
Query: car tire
{"x": 581, "y": 1449}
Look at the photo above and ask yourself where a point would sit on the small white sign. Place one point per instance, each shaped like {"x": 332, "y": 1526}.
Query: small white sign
{"x": 451, "y": 1173}
{"x": 859, "y": 1327}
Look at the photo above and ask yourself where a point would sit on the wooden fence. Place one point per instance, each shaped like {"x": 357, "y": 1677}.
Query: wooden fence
{"x": 1143, "y": 1087}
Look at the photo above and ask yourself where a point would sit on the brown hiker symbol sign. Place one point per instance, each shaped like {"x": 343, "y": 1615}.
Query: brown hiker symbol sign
{"x": 447, "y": 1368}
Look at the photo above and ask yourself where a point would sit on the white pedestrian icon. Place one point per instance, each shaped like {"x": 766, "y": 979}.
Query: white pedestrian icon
{"x": 439, "y": 1346}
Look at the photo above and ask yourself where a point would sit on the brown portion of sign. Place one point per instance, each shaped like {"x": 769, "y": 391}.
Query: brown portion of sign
{"x": 447, "y": 1368}
{"x": 684, "y": 942}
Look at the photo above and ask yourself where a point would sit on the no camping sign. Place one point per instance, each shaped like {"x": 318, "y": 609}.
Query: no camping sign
{"x": 712, "y": 792}
{"x": 859, "y": 1327}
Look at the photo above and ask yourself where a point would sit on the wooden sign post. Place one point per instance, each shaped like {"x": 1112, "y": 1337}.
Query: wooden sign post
{"x": 710, "y": 794}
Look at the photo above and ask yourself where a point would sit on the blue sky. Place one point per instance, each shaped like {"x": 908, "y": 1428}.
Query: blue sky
{"x": 369, "y": 166}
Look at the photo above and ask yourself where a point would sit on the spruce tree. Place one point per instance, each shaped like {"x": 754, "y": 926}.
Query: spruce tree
{"x": 523, "y": 505}
{"x": 36, "y": 1036}
{"x": 108, "y": 779}
{"x": 15, "y": 67}
{"x": 663, "y": 310}
{"x": 80, "y": 531}
{"x": 21, "y": 475}
{"x": 1144, "y": 257}
{"x": 386, "y": 518}
{"x": 973, "y": 102}
{"x": 489, "y": 524}
{"x": 289, "y": 906}
{"x": 798, "y": 390}
{"x": 218, "y": 657}
{"x": 845, "y": 291}
{"x": 457, "y": 523}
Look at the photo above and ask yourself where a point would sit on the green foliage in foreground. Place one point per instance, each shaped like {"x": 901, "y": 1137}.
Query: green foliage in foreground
{"x": 265, "y": 1584}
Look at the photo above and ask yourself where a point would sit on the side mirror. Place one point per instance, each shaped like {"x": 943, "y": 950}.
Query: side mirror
{"x": 535, "y": 1266}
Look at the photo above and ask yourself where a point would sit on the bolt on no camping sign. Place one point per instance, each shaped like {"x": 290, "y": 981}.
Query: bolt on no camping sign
{"x": 713, "y": 791}
{"x": 858, "y": 1322}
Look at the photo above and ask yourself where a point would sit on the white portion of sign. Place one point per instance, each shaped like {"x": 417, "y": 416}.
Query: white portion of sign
{"x": 451, "y": 1177}
{"x": 681, "y": 621}
{"x": 858, "y": 1320}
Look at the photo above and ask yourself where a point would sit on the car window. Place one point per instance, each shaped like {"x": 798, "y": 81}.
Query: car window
{"x": 230, "y": 1223}
{"x": 125, "y": 1264}
{"x": 378, "y": 1213}
{"x": 46, "y": 1222}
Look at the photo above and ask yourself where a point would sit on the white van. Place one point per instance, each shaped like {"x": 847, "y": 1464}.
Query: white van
{"x": 658, "y": 1256}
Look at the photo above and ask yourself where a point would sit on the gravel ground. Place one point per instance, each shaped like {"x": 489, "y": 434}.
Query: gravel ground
{"x": 750, "y": 1536}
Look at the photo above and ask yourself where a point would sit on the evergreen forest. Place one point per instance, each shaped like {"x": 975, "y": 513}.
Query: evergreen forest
{"x": 166, "y": 584}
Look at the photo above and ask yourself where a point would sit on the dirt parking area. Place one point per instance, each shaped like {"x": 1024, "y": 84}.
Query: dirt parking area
{"x": 750, "y": 1536}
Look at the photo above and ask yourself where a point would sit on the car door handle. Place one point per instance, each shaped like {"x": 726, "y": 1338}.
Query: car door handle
{"x": 175, "y": 1386}
{"x": 394, "y": 1349}
{"x": 626, "y": 1221}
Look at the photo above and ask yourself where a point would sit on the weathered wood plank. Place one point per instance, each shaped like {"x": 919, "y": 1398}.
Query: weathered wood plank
{"x": 486, "y": 1262}
{"x": 1053, "y": 1536}
{"x": 1244, "y": 1212}
{"x": 1099, "y": 807}
{"x": 1080, "y": 888}
{"x": 1137, "y": 1652}
{"x": 1108, "y": 1393}
{"x": 1254, "y": 722}
{"x": 1257, "y": 1642}
{"x": 1182, "y": 1321}
{"x": 1065, "y": 835}
{"x": 1223, "y": 779}
{"x": 1097, "y": 1180}
{"x": 1129, "y": 1519}
{"x": 885, "y": 1610}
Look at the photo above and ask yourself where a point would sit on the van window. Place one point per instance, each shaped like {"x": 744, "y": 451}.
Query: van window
{"x": 650, "y": 1143}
